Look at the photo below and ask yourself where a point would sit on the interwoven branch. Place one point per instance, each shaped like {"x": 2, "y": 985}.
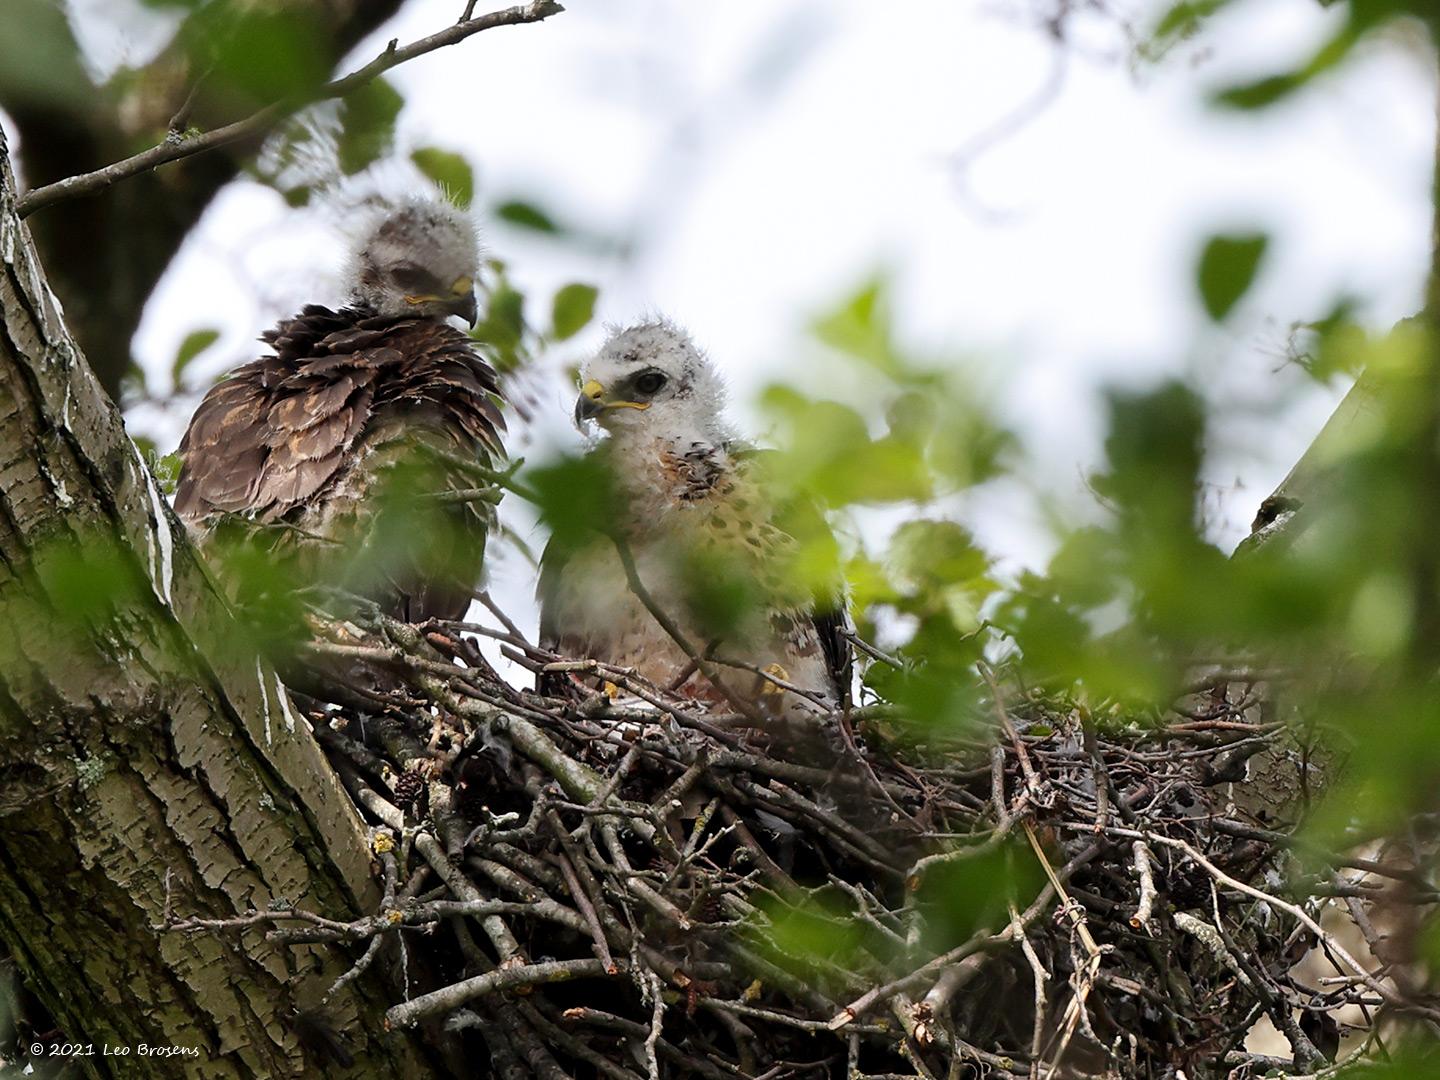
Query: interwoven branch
{"x": 650, "y": 894}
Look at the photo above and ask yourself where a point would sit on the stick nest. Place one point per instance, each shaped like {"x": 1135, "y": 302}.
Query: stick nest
{"x": 620, "y": 884}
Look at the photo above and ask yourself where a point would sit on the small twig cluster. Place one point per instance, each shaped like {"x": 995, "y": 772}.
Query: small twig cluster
{"x": 619, "y": 883}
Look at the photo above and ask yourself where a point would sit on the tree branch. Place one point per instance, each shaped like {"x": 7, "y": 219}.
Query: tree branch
{"x": 174, "y": 150}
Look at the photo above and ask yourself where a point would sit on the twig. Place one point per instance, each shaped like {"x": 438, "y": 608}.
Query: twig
{"x": 1037, "y": 971}
{"x": 261, "y": 120}
{"x": 657, "y": 1017}
{"x": 1144, "y": 908}
{"x": 582, "y": 901}
{"x": 1032, "y": 779}
{"x": 1085, "y": 973}
{"x": 1208, "y": 936}
{"x": 632, "y": 577}
{"x": 1293, "y": 910}
{"x": 503, "y": 978}
{"x": 870, "y": 650}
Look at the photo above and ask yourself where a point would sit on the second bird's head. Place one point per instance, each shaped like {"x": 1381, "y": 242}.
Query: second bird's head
{"x": 420, "y": 258}
{"x": 651, "y": 379}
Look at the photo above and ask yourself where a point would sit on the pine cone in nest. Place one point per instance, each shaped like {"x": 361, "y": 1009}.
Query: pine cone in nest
{"x": 409, "y": 786}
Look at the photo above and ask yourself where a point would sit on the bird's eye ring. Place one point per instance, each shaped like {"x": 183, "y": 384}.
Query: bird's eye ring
{"x": 650, "y": 382}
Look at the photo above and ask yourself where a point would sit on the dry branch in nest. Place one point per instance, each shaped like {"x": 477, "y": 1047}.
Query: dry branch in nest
{"x": 590, "y": 888}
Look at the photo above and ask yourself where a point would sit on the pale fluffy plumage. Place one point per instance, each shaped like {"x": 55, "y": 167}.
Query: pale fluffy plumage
{"x": 690, "y": 500}
{"x": 420, "y": 258}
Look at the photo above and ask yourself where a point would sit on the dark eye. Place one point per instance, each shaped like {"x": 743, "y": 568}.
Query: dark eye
{"x": 413, "y": 279}
{"x": 650, "y": 382}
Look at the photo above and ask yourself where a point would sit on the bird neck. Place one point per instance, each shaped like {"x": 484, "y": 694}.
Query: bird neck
{"x": 675, "y": 469}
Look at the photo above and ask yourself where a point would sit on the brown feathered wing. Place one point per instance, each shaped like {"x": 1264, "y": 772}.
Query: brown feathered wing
{"x": 339, "y": 456}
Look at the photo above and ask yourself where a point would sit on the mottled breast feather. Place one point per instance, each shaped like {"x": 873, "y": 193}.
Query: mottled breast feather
{"x": 696, "y": 498}
{"x": 295, "y": 438}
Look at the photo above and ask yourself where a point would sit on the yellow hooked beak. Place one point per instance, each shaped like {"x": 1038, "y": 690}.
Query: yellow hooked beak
{"x": 461, "y": 300}
{"x": 591, "y": 402}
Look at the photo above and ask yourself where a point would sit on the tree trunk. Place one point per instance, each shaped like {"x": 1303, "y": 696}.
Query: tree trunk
{"x": 150, "y": 766}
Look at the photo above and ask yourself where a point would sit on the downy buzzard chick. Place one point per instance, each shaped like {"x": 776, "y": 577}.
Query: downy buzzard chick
{"x": 335, "y": 460}
{"x": 713, "y": 548}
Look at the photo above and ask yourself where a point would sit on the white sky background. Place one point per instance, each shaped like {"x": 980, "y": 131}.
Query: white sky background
{"x": 763, "y": 156}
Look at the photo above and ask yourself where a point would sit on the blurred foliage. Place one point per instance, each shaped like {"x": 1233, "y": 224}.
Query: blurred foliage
{"x": 256, "y": 54}
{"x": 509, "y": 336}
{"x": 572, "y": 310}
{"x": 806, "y": 933}
{"x": 367, "y": 125}
{"x": 1410, "y": 1064}
{"x": 575, "y": 497}
{"x": 449, "y": 170}
{"x": 166, "y": 469}
{"x": 913, "y": 434}
{"x": 873, "y": 467}
{"x": 1227, "y": 269}
{"x": 193, "y": 344}
{"x": 970, "y": 891}
{"x": 1357, "y": 20}
{"x": 526, "y": 215}
{"x": 503, "y": 329}
{"x": 934, "y": 436}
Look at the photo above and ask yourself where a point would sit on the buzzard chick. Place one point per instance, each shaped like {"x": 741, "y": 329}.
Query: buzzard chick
{"x": 710, "y": 544}
{"x": 331, "y": 457}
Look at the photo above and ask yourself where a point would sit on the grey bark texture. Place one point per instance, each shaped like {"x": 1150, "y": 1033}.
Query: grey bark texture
{"x": 149, "y": 764}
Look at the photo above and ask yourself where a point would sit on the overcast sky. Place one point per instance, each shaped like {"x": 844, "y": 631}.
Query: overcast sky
{"x": 761, "y": 157}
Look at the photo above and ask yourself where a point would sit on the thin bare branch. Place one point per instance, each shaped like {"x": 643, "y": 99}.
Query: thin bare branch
{"x": 257, "y": 123}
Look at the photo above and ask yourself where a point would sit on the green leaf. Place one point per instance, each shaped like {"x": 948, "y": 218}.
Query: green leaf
{"x": 1331, "y": 345}
{"x": 930, "y": 554}
{"x": 257, "y": 56}
{"x": 574, "y": 307}
{"x": 167, "y": 472}
{"x": 1262, "y": 92}
{"x": 367, "y": 120}
{"x": 1412, "y": 1063}
{"x": 829, "y": 454}
{"x": 1364, "y": 17}
{"x": 504, "y": 322}
{"x": 1227, "y": 269}
{"x": 1183, "y": 20}
{"x": 195, "y": 343}
{"x": 448, "y": 169}
{"x": 575, "y": 497}
{"x": 526, "y": 216}
{"x": 133, "y": 383}
{"x": 804, "y": 931}
{"x": 861, "y": 325}
{"x": 1155, "y": 449}
{"x": 87, "y": 583}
